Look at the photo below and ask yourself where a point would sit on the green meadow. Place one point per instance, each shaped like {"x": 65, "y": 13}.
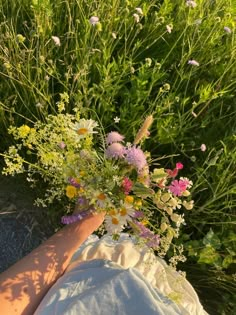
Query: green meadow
{"x": 171, "y": 59}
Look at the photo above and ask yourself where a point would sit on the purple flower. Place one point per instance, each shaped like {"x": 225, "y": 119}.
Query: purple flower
{"x": 154, "y": 241}
{"x": 68, "y": 219}
{"x": 138, "y": 214}
{"x": 73, "y": 182}
{"x": 115, "y": 150}
{"x": 227, "y": 30}
{"x": 114, "y": 136}
{"x": 193, "y": 63}
{"x": 136, "y": 157}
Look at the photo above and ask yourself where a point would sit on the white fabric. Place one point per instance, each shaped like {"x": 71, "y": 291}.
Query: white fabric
{"x": 118, "y": 278}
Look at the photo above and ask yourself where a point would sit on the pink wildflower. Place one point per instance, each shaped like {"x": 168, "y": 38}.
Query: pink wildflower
{"x": 203, "y": 147}
{"x": 115, "y": 150}
{"x": 185, "y": 181}
{"x": 114, "y": 136}
{"x": 193, "y": 63}
{"x": 179, "y": 166}
{"x": 173, "y": 173}
{"x": 191, "y": 3}
{"x": 136, "y": 157}
{"x": 127, "y": 185}
{"x": 94, "y": 20}
{"x": 62, "y": 145}
{"x": 177, "y": 187}
{"x": 227, "y": 30}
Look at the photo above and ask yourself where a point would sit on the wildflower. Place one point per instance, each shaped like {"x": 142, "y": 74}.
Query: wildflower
{"x": 56, "y": 40}
{"x": 74, "y": 182}
{"x": 113, "y": 34}
{"x": 114, "y": 224}
{"x": 148, "y": 61}
{"x": 227, "y": 30}
{"x": 143, "y": 131}
{"x": 198, "y": 22}
{"x": 164, "y": 226}
{"x": 203, "y": 147}
{"x": 139, "y": 11}
{"x": 71, "y": 191}
{"x": 178, "y": 219}
{"x": 138, "y": 214}
{"x": 114, "y": 136}
{"x": 115, "y": 150}
{"x": 193, "y": 63}
{"x": 62, "y": 145}
{"x": 169, "y": 28}
{"x": 143, "y": 176}
{"x": 177, "y": 187}
{"x": 179, "y": 166}
{"x": 129, "y": 199}
{"x": 185, "y": 181}
{"x": 188, "y": 205}
{"x": 166, "y": 87}
{"x": 116, "y": 120}
{"x": 154, "y": 241}
{"x": 23, "y": 131}
{"x": 136, "y": 17}
{"x": 135, "y": 157}
{"x": 20, "y": 38}
{"x": 94, "y": 20}
{"x": 85, "y": 127}
{"x": 191, "y": 4}
{"x": 127, "y": 185}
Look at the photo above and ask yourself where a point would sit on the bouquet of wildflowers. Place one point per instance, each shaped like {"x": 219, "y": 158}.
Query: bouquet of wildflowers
{"x": 112, "y": 176}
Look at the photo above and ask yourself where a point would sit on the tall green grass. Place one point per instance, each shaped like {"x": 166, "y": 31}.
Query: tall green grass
{"x": 127, "y": 69}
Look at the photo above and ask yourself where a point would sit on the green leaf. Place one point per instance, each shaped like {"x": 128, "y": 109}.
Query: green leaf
{"x": 212, "y": 239}
{"x": 228, "y": 260}
{"x": 209, "y": 256}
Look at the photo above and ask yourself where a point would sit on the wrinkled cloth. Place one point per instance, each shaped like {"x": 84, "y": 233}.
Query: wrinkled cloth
{"x": 107, "y": 277}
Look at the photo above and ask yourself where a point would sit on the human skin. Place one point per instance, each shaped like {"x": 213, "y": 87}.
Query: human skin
{"x": 23, "y": 286}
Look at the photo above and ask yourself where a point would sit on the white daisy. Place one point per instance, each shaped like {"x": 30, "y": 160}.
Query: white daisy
{"x": 85, "y": 127}
{"x": 114, "y": 224}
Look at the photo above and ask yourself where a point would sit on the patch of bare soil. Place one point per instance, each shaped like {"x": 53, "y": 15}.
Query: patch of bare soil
{"x": 22, "y": 225}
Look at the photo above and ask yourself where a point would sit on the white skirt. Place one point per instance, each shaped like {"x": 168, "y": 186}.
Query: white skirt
{"x": 155, "y": 270}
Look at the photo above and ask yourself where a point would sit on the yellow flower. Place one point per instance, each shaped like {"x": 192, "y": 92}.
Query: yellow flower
{"x": 123, "y": 212}
{"x": 129, "y": 199}
{"x": 145, "y": 222}
{"x": 112, "y": 212}
{"x": 71, "y": 191}
{"x": 23, "y": 131}
{"x": 115, "y": 221}
{"x": 101, "y": 196}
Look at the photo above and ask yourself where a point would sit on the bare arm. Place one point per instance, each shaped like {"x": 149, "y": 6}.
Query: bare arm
{"x": 23, "y": 285}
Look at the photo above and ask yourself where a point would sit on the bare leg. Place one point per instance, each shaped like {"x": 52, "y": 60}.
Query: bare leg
{"x": 23, "y": 285}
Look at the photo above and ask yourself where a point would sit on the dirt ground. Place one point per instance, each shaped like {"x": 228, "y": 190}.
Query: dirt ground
{"x": 22, "y": 225}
